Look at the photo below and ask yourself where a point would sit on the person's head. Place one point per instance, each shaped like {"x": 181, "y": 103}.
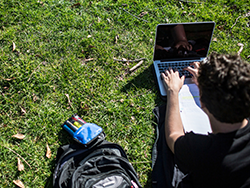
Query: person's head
{"x": 224, "y": 84}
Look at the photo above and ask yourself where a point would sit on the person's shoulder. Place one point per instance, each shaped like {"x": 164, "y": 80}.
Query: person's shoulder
{"x": 195, "y": 141}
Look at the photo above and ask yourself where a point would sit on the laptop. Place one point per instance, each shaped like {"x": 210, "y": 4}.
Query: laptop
{"x": 179, "y": 44}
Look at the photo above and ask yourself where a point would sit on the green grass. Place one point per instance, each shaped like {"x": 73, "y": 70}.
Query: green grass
{"x": 52, "y": 40}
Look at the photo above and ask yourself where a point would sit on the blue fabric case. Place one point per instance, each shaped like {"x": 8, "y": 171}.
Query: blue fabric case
{"x": 87, "y": 132}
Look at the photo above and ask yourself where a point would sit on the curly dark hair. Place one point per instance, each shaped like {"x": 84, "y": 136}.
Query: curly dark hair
{"x": 224, "y": 83}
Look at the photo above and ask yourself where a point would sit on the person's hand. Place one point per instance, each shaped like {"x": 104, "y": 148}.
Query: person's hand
{"x": 194, "y": 71}
{"x": 183, "y": 45}
{"x": 172, "y": 80}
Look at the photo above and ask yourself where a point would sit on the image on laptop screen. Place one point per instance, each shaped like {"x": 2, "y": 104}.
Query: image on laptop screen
{"x": 182, "y": 41}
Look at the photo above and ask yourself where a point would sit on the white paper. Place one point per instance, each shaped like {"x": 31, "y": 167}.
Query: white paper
{"x": 192, "y": 116}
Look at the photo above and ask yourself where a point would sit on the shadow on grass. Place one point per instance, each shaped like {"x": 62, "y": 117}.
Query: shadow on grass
{"x": 148, "y": 81}
{"x": 144, "y": 80}
{"x": 64, "y": 139}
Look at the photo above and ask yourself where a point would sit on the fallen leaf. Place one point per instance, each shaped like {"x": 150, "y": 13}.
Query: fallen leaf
{"x": 215, "y": 39}
{"x": 9, "y": 79}
{"x": 34, "y": 97}
{"x": 191, "y": 14}
{"x": 121, "y": 100}
{"x": 220, "y": 27}
{"x": 20, "y": 165}
{"x": 116, "y": 38}
{"x": 48, "y": 152}
{"x": 248, "y": 57}
{"x": 241, "y": 48}
{"x": 19, "y": 136}
{"x": 76, "y": 5}
{"x": 19, "y": 183}
{"x": 40, "y": 2}
{"x": 183, "y": 13}
{"x": 142, "y": 14}
{"x": 23, "y": 110}
{"x": 13, "y": 46}
{"x": 90, "y": 59}
{"x": 89, "y": 36}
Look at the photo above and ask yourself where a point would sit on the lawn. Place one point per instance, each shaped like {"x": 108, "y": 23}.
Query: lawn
{"x": 59, "y": 57}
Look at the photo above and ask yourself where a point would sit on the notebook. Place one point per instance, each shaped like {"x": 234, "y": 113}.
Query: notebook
{"x": 179, "y": 44}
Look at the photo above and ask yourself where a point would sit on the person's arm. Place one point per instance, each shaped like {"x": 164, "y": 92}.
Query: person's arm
{"x": 173, "y": 123}
{"x": 180, "y": 38}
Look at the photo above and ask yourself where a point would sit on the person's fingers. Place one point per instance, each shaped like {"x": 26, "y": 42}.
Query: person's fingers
{"x": 167, "y": 72}
{"x": 191, "y": 70}
{"x": 195, "y": 64}
{"x": 171, "y": 70}
{"x": 183, "y": 79}
{"x": 190, "y": 47}
{"x": 163, "y": 75}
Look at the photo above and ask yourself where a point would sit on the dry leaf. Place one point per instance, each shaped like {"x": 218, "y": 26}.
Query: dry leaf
{"x": 241, "y": 48}
{"x": 142, "y": 14}
{"x": 76, "y": 5}
{"x": 220, "y": 27}
{"x": 116, "y": 38}
{"x": 20, "y": 165}
{"x": 23, "y": 110}
{"x": 19, "y": 136}
{"x": 90, "y": 59}
{"x": 9, "y": 79}
{"x": 48, "y": 152}
{"x": 13, "y": 46}
{"x": 183, "y": 13}
{"x": 19, "y": 183}
{"x": 89, "y": 36}
{"x": 248, "y": 57}
{"x": 34, "y": 97}
{"x": 215, "y": 39}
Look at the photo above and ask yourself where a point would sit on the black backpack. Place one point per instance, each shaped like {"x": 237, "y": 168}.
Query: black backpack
{"x": 104, "y": 165}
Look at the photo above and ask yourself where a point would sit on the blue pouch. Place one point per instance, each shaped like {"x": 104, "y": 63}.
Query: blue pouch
{"x": 87, "y": 133}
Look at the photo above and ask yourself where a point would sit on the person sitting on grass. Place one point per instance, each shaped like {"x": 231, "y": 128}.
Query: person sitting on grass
{"x": 221, "y": 158}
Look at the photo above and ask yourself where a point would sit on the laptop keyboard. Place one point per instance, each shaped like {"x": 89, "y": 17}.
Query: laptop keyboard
{"x": 176, "y": 66}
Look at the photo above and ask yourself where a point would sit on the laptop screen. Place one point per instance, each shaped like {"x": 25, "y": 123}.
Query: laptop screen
{"x": 185, "y": 41}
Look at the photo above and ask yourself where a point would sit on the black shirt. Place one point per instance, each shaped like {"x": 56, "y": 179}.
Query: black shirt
{"x": 215, "y": 160}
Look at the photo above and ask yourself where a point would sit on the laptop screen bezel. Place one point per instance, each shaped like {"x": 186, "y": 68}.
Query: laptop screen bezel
{"x": 185, "y": 23}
